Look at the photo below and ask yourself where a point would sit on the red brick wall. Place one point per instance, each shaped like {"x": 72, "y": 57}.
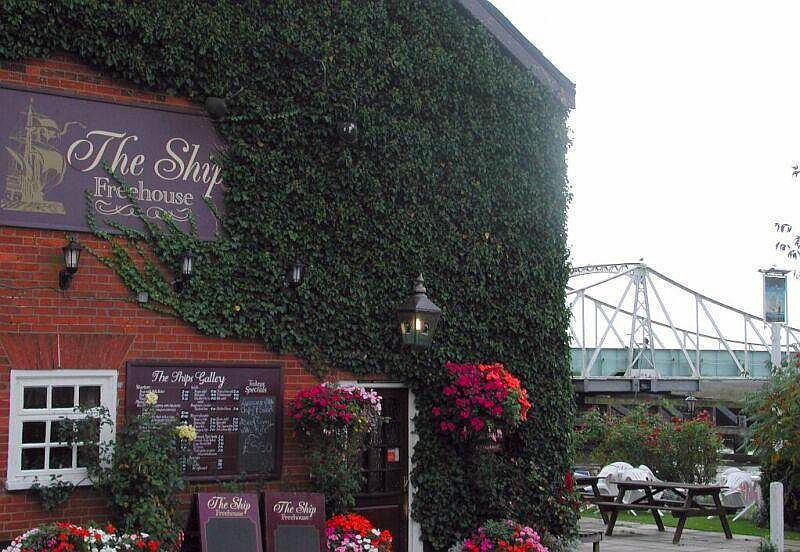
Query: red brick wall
{"x": 97, "y": 323}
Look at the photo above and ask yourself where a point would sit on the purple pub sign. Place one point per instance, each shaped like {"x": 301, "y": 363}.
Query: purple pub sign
{"x": 294, "y": 522}
{"x": 54, "y": 150}
{"x": 229, "y": 522}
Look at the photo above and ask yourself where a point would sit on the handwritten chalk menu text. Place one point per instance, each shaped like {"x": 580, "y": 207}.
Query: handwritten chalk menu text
{"x": 236, "y": 411}
{"x": 294, "y": 522}
{"x": 229, "y": 522}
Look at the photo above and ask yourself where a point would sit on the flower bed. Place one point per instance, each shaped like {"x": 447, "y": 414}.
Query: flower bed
{"x": 63, "y": 537}
{"x": 505, "y": 536}
{"x": 479, "y": 401}
{"x": 355, "y": 533}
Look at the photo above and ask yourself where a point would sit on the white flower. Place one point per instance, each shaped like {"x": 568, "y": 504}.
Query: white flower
{"x": 151, "y": 398}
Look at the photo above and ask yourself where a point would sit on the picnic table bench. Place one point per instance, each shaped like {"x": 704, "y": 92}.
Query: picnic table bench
{"x": 593, "y": 537}
{"x": 682, "y": 509}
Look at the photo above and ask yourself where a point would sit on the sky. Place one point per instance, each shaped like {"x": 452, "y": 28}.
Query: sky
{"x": 686, "y": 127}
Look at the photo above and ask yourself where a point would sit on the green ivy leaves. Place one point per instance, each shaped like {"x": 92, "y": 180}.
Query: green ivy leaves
{"x": 458, "y": 173}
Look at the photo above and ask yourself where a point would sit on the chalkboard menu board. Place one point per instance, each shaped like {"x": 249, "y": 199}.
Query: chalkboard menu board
{"x": 236, "y": 410}
{"x": 294, "y": 522}
{"x": 229, "y": 522}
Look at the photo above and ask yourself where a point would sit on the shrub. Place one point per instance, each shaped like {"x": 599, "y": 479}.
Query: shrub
{"x": 676, "y": 450}
{"x": 774, "y": 426}
{"x": 139, "y": 473}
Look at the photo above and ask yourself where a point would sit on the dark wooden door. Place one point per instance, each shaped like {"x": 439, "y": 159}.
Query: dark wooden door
{"x": 384, "y": 496}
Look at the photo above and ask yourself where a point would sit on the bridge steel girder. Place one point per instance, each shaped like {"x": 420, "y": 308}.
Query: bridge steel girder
{"x": 643, "y": 324}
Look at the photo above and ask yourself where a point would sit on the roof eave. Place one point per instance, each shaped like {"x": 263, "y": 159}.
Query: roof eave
{"x": 521, "y": 49}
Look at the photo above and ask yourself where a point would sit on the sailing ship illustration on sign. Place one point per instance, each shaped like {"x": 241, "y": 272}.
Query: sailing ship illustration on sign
{"x": 37, "y": 167}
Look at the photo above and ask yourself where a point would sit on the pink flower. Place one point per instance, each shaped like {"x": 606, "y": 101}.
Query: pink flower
{"x": 449, "y": 391}
{"x": 436, "y": 411}
{"x": 477, "y": 424}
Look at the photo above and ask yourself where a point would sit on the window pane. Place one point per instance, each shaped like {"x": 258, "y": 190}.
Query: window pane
{"x": 33, "y": 459}
{"x": 89, "y": 430}
{"x": 86, "y": 455}
{"x": 89, "y": 396}
{"x": 33, "y": 432}
{"x": 60, "y": 431}
{"x": 63, "y": 397}
{"x": 34, "y": 397}
{"x": 60, "y": 457}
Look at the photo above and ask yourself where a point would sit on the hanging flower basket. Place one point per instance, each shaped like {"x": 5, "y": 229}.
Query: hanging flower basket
{"x": 480, "y": 404}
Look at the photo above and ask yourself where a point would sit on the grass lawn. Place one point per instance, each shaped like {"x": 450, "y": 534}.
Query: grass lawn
{"x": 740, "y": 527}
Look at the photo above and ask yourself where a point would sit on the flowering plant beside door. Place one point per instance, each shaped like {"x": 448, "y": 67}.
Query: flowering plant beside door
{"x": 355, "y": 533}
{"x": 333, "y": 422}
{"x": 502, "y": 535}
{"x": 480, "y": 401}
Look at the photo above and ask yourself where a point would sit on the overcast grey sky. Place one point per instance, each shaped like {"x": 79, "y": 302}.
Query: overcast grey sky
{"x": 684, "y": 134}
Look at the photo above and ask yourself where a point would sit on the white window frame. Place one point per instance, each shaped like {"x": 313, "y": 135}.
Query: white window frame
{"x": 16, "y": 478}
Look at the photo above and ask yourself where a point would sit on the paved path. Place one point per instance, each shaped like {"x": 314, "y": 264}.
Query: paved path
{"x": 639, "y": 537}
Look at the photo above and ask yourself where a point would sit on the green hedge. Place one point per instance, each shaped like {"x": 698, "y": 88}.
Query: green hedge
{"x": 459, "y": 173}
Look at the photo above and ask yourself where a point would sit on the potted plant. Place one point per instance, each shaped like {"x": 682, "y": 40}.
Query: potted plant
{"x": 503, "y": 536}
{"x": 355, "y": 533}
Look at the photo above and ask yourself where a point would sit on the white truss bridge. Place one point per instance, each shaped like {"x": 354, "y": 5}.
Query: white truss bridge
{"x": 633, "y": 328}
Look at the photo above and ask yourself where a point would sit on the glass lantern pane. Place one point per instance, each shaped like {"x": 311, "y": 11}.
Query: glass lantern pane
{"x": 34, "y": 397}
{"x": 33, "y": 459}
{"x": 63, "y": 397}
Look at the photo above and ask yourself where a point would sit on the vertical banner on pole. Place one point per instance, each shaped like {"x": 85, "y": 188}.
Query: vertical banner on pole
{"x": 775, "y": 296}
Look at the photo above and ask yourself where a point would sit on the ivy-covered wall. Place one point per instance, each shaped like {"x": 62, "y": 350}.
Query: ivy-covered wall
{"x": 458, "y": 173}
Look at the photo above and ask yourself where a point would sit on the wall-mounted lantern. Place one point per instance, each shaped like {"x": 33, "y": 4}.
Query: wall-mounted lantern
{"x": 216, "y": 107}
{"x": 72, "y": 255}
{"x": 418, "y": 317}
{"x": 347, "y": 131}
{"x": 295, "y": 273}
{"x": 187, "y": 266}
{"x": 142, "y": 297}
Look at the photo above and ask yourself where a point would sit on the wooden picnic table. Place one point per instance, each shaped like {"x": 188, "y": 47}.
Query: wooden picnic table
{"x": 595, "y": 496}
{"x": 682, "y": 509}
